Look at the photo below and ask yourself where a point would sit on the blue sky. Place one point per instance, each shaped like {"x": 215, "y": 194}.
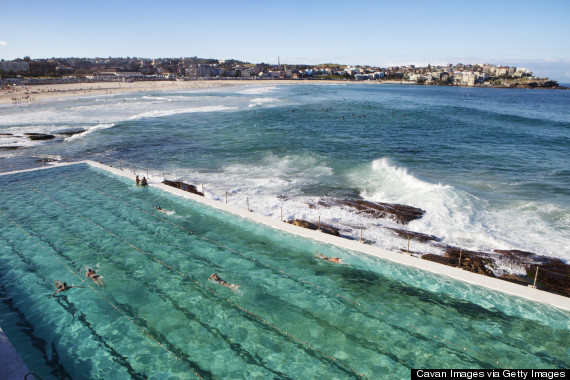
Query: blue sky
{"x": 530, "y": 34}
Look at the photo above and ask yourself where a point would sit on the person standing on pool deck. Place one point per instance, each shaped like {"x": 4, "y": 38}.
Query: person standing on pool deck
{"x": 62, "y": 287}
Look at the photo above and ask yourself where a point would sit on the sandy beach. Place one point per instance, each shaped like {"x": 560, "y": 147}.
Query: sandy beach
{"x": 33, "y": 93}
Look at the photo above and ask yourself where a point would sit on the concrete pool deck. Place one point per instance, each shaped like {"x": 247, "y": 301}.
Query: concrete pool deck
{"x": 458, "y": 274}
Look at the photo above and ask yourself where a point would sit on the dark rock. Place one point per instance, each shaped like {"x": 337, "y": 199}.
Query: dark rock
{"x": 514, "y": 253}
{"x": 471, "y": 261}
{"x": 39, "y": 136}
{"x": 553, "y": 273}
{"x": 402, "y": 214}
{"x": 46, "y": 160}
{"x": 10, "y": 147}
{"x": 183, "y": 186}
{"x": 6, "y": 134}
{"x": 516, "y": 279}
{"x": 414, "y": 235}
{"x": 553, "y": 276}
{"x": 440, "y": 259}
{"x": 312, "y": 226}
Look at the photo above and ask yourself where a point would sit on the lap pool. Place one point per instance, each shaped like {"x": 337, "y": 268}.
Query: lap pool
{"x": 293, "y": 316}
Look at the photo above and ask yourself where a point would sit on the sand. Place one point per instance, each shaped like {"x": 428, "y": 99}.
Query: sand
{"x": 25, "y": 94}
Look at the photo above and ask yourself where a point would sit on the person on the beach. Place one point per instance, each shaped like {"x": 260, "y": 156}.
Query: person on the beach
{"x": 144, "y": 182}
{"x": 138, "y": 180}
{"x": 217, "y": 279}
{"x": 62, "y": 287}
{"x": 336, "y": 260}
{"x": 95, "y": 277}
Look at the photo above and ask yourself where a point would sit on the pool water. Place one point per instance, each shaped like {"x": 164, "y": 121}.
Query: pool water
{"x": 293, "y": 315}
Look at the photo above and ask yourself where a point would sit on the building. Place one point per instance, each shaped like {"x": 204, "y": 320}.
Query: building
{"x": 15, "y": 66}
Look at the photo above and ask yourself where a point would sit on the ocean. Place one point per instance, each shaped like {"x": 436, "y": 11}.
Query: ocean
{"x": 490, "y": 167}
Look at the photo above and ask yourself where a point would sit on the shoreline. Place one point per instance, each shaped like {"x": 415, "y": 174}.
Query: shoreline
{"x": 25, "y": 94}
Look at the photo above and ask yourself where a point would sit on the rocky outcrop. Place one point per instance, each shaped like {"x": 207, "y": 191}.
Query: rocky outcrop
{"x": 402, "y": 214}
{"x": 406, "y": 234}
{"x": 39, "y": 136}
{"x": 553, "y": 273}
{"x": 312, "y": 226}
{"x": 471, "y": 261}
{"x": 183, "y": 186}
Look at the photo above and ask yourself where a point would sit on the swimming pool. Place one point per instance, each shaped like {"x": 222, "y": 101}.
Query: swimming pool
{"x": 293, "y": 316}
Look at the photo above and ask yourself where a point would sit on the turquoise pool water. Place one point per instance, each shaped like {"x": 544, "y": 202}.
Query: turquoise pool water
{"x": 293, "y": 316}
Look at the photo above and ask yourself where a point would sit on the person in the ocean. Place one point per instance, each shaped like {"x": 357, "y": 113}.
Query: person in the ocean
{"x": 214, "y": 277}
{"x": 138, "y": 180}
{"x": 94, "y": 276}
{"x": 144, "y": 182}
{"x": 336, "y": 260}
{"x": 62, "y": 287}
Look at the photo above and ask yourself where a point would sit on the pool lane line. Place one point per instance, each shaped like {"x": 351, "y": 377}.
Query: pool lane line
{"x": 424, "y": 332}
{"x": 233, "y": 303}
{"x": 98, "y": 293}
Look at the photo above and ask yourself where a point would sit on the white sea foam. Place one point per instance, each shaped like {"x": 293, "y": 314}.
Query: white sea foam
{"x": 148, "y": 97}
{"x": 275, "y": 186}
{"x": 262, "y": 101}
{"x": 257, "y": 90}
{"x": 162, "y": 113}
{"x": 89, "y": 130}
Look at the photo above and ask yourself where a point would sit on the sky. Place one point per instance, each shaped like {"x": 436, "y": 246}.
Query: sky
{"x": 530, "y": 34}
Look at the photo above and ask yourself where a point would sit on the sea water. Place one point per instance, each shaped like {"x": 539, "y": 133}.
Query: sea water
{"x": 489, "y": 166}
{"x": 293, "y": 315}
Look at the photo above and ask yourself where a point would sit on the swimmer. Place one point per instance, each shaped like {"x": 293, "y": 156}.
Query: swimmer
{"x": 144, "y": 182}
{"x": 62, "y": 287}
{"x": 217, "y": 279}
{"x": 336, "y": 260}
{"x": 95, "y": 277}
{"x": 138, "y": 180}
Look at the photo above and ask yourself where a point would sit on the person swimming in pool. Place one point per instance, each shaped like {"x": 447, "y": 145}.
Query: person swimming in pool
{"x": 62, "y": 287}
{"x": 214, "y": 277}
{"x": 95, "y": 277}
{"x": 336, "y": 260}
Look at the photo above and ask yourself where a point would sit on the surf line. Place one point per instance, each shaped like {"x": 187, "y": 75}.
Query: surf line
{"x": 36, "y": 241}
{"x": 322, "y": 290}
{"x": 232, "y": 303}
